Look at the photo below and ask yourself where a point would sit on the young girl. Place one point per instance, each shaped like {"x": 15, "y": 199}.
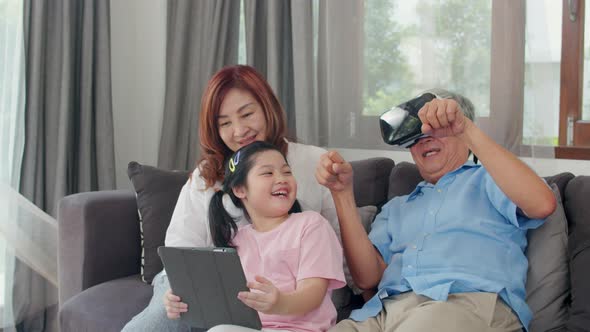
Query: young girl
{"x": 292, "y": 260}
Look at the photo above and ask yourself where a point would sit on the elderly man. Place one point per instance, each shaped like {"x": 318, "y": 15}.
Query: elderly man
{"x": 450, "y": 255}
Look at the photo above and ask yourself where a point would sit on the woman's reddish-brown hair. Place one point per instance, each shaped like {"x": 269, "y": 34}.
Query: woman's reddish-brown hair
{"x": 213, "y": 150}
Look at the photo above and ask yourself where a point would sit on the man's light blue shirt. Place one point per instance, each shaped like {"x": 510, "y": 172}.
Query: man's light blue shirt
{"x": 461, "y": 235}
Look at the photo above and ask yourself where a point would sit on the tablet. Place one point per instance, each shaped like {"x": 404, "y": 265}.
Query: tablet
{"x": 208, "y": 280}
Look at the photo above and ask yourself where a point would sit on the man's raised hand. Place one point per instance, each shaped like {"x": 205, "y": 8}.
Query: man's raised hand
{"x": 333, "y": 172}
{"x": 442, "y": 118}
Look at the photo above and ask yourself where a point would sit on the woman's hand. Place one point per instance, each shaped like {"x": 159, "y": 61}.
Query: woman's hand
{"x": 173, "y": 305}
{"x": 265, "y": 300}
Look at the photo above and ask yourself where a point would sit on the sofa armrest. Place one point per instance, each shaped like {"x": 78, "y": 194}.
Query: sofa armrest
{"x": 99, "y": 239}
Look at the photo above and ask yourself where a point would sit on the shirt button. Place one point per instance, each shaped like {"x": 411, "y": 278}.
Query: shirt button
{"x": 414, "y": 246}
{"x": 410, "y": 266}
{"x": 440, "y": 191}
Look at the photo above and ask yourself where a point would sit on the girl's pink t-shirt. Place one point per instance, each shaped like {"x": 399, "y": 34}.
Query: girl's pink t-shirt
{"x": 303, "y": 246}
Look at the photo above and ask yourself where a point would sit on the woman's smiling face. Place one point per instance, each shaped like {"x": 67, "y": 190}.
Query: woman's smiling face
{"x": 241, "y": 120}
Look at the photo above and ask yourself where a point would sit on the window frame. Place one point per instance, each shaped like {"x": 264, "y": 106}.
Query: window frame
{"x": 577, "y": 146}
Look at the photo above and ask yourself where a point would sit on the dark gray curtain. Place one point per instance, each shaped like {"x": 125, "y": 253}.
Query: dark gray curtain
{"x": 68, "y": 125}
{"x": 202, "y": 37}
{"x": 270, "y": 46}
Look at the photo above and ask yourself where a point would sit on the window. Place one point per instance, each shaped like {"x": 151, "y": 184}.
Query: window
{"x": 414, "y": 45}
{"x": 411, "y": 46}
{"x": 553, "y": 77}
{"x": 542, "y": 70}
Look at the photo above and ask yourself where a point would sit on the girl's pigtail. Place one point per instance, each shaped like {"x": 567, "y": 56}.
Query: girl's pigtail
{"x": 221, "y": 224}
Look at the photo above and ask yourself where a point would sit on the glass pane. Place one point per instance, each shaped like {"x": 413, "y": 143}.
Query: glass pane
{"x": 542, "y": 72}
{"x": 586, "y": 93}
{"x": 242, "y": 37}
{"x": 414, "y": 45}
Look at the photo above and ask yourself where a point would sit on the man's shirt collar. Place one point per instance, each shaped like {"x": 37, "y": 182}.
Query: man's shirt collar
{"x": 449, "y": 177}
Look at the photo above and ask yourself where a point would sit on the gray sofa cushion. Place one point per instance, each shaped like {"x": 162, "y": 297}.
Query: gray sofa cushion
{"x": 577, "y": 206}
{"x": 560, "y": 180}
{"x": 370, "y": 180}
{"x": 367, "y": 214}
{"x": 157, "y": 191}
{"x": 548, "y": 285}
{"x": 403, "y": 179}
{"x": 101, "y": 308}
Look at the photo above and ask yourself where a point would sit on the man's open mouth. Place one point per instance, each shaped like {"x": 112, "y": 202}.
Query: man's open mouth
{"x": 430, "y": 152}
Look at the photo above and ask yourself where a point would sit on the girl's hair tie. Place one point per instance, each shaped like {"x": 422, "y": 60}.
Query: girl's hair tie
{"x": 234, "y": 161}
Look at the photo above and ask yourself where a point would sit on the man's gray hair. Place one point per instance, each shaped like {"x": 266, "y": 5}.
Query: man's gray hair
{"x": 465, "y": 104}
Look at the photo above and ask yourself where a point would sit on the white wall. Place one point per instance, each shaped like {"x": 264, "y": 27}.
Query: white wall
{"x": 543, "y": 167}
{"x": 138, "y": 46}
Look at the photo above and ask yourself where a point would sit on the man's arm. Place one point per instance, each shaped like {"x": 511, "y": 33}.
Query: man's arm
{"x": 443, "y": 117}
{"x": 525, "y": 188}
{"x": 365, "y": 263}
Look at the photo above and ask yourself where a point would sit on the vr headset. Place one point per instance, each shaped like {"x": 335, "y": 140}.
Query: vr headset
{"x": 401, "y": 125}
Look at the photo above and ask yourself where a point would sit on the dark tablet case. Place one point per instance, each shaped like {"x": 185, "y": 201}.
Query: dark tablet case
{"x": 208, "y": 280}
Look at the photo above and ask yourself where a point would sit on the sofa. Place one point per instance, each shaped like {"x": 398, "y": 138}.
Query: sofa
{"x": 103, "y": 248}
